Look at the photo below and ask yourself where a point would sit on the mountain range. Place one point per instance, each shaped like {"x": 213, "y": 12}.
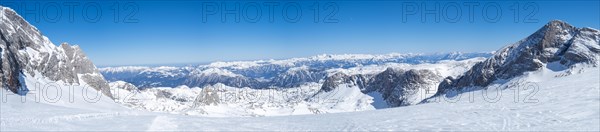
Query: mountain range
{"x": 265, "y": 73}
{"x": 557, "y": 52}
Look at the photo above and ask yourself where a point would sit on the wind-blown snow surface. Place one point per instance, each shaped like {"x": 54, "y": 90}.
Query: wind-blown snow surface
{"x": 546, "y": 100}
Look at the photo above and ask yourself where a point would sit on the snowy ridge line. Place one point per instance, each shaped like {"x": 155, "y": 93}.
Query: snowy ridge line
{"x": 275, "y": 73}
{"x": 293, "y": 61}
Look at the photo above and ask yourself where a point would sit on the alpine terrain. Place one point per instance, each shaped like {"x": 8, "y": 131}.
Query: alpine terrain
{"x": 550, "y": 80}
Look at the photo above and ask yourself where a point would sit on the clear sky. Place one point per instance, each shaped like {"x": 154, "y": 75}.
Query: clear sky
{"x": 184, "y": 31}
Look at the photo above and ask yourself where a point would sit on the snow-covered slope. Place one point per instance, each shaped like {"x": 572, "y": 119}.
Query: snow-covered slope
{"x": 557, "y": 45}
{"x": 546, "y": 101}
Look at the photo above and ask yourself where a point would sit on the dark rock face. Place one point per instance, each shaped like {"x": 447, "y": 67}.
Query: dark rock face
{"x": 557, "y": 41}
{"x": 333, "y": 81}
{"x": 208, "y": 96}
{"x": 26, "y": 50}
{"x": 397, "y": 86}
{"x": 11, "y": 68}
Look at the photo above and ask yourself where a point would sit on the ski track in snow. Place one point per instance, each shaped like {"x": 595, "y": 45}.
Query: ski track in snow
{"x": 162, "y": 123}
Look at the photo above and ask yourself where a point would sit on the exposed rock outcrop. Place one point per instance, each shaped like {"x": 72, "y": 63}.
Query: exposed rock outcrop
{"x": 557, "y": 41}
{"x": 398, "y": 87}
{"x": 26, "y": 50}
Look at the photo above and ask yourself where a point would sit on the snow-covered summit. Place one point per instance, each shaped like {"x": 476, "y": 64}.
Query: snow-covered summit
{"x": 216, "y": 71}
{"x": 358, "y": 58}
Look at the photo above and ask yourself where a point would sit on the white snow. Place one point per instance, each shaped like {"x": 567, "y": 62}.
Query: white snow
{"x": 378, "y": 101}
{"x": 343, "y": 99}
{"x": 559, "y": 103}
{"x": 279, "y": 102}
{"x": 236, "y": 65}
{"x": 444, "y": 68}
{"x": 216, "y": 71}
{"x": 123, "y": 68}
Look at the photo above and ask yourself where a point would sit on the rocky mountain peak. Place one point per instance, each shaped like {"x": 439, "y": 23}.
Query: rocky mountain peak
{"x": 26, "y": 52}
{"x": 558, "y": 25}
{"x": 556, "y": 41}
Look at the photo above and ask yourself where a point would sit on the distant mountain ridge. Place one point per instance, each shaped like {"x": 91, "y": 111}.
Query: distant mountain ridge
{"x": 265, "y": 73}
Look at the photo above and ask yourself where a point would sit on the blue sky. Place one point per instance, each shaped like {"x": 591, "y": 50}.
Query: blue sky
{"x": 174, "y": 32}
